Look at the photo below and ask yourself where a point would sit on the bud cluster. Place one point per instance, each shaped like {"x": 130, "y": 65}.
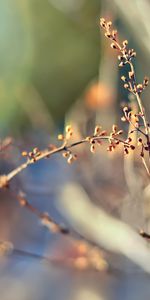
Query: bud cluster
{"x": 32, "y": 155}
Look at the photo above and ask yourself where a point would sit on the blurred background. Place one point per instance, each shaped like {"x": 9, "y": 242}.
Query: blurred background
{"x": 57, "y": 68}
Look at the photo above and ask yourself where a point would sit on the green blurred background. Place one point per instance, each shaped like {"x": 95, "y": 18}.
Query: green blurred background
{"x": 49, "y": 52}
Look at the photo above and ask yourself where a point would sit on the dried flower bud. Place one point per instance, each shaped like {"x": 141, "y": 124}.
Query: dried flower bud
{"x": 139, "y": 141}
{"x": 120, "y": 57}
{"x": 146, "y": 148}
{"x": 131, "y": 74}
{"x": 126, "y": 86}
{"x": 110, "y": 148}
{"x": 125, "y": 43}
{"x": 133, "y": 54}
{"x": 114, "y": 46}
{"x": 114, "y": 128}
{"x": 97, "y": 130}
{"x": 92, "y": 141}
{"x": 102, "y": 22}
{"x": 68, "y": 128}
{"x": 139, "y": 87}
{"x": 88, "y": 138}
{"x": 145, "y": 81}
{"x": 24, "y": 153}
{"x": 60, "y": 137}
{"x": 123, "y": 119}
{"x": 103, "y": 133}
{"x": 123, "y": 78}
{"x": 31, "y": 154}
{"x": 107, "y": 34}
{"x": 109, "y": 24}
{"x": 35, "y": 151}
{"x": 114, "y": 33}
{"x": 132, "y": 147}
{"x": 126, "y": 151}
{"x": 120, "y": 132}
{"x": 92, "y": 148}
{"x": 65, "y": 154}
{"x": 129, "y": 139}
{"x": 70, "y": 159}
{"x": 75, "y": 156}
{"x": 121, "y": 64}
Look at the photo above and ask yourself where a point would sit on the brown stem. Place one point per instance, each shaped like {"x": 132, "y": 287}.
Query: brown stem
{"x": 48, "y": 153}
